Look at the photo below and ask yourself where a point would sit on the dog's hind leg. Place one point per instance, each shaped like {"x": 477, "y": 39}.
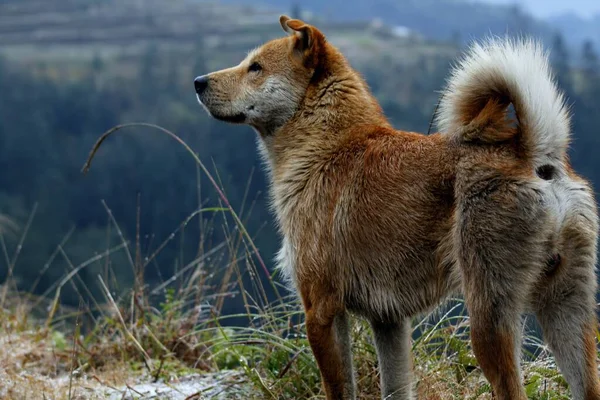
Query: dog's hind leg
{"x": 569, "y": 327}
{"x": 499, "y": 239}
{"x": 566, "y": 302}
{"x": 392, "y": 341}
{"x": 328, "y": 332}
{"x": 342, "y": 327}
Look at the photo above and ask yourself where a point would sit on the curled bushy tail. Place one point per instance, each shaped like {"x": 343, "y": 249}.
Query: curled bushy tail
{"x": 494, "y": 74}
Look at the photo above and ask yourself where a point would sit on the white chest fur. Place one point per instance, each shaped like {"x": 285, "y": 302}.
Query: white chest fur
{"x": 285, "y": 261}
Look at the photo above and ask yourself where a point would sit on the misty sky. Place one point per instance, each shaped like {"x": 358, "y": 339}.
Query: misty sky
{"x": 546, "y": 8}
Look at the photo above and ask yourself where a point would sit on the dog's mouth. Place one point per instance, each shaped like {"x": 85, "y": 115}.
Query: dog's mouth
{"x": 234, "y": 119}
{"x": 237, "y": 118}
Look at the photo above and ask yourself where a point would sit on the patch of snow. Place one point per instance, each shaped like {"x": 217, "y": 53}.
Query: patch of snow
{"x": 218, "y": 385}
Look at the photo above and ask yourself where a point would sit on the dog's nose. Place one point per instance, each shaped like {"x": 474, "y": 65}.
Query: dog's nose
{"x": 201, "y": 83}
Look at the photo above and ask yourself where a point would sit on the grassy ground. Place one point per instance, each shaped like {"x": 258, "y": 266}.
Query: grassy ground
{"x": 171, "y": 340}
{"x": 268, "y": 359}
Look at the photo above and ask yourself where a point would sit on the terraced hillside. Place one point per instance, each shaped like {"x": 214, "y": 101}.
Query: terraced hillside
{"x": 34, "y": 29}
{"x": 65, "y": 31}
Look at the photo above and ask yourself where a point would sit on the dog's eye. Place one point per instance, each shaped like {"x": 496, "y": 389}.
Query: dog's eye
{"x": 254, "y": 67}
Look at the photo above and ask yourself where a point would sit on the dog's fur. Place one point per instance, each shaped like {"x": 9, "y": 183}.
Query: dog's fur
{"x": 386, "y": 223}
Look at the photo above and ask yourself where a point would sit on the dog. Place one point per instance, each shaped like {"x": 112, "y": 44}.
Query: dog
{"x": 386, "y": 224}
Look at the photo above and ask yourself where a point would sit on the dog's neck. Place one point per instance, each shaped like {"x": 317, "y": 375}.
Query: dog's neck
{"x": 327, "y": 114}
{"x": 324, "y": 121}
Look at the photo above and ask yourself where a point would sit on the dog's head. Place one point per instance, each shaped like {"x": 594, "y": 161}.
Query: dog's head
{"x": 265, "y": 89}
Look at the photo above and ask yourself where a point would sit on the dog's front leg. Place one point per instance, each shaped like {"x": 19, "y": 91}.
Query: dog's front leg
{"x": 328, "y": 331}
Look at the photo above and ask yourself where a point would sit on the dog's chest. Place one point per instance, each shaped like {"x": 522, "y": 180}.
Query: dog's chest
{"x": 285, "y": 262}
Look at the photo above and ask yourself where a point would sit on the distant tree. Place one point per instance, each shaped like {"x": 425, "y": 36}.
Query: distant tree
{"x": 149, "y": 77}
{"x": 296, "y": 12}
{"x": 590, "y": 72}
{"x": 97, "y": 64}
{"x": 560, "y": 62}
{"x": 456, "y": 38}
{"x": 96, "y": 68}
{"x": 199, "y": 65}
{"x": 519, "y": 20}
{"x": 589, "y": 58}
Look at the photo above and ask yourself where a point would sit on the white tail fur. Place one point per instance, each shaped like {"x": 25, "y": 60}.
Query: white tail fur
{"x": 517, "y": 72}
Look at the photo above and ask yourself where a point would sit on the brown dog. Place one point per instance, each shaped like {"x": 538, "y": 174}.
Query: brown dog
{"x": 386, "y": 223}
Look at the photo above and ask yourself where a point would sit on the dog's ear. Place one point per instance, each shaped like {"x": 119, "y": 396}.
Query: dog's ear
{"x": 283, "y": 21}
{"x": 309, "y": 42}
